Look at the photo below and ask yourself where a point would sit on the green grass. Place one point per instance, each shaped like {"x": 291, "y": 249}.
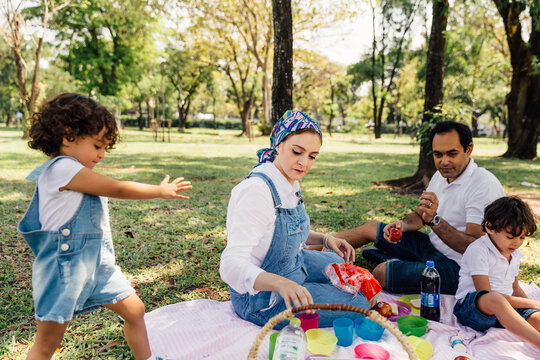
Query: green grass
{"x": 174, "y": 253}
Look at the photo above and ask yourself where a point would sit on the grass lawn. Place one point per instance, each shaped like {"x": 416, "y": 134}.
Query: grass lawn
{"x": 170, "y": 249}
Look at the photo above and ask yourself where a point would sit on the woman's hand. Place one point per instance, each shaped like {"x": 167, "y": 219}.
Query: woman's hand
{"x": 342, "y": 248}
{"x": 293, "y": 293}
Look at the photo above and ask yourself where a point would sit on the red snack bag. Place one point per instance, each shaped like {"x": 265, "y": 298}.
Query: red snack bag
{"x": 352, "y": 278}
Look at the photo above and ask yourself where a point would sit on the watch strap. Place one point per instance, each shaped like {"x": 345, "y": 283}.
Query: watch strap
{"x": 431, "y": 223}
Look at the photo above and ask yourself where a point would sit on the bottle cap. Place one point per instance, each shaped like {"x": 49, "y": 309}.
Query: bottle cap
{"x": 295, "y": 321}
{"x": 430, "y": 263}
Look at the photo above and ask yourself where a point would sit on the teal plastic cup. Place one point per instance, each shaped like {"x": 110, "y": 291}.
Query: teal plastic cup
{"x": 368, "y": 329}
{"x": 344, "y": 331}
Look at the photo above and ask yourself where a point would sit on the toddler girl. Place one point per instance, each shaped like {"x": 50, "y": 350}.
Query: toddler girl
{"x": 67, "y": 223}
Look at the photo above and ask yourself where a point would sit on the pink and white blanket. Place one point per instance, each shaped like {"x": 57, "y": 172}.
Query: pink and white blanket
{"x": 208, "y": 329}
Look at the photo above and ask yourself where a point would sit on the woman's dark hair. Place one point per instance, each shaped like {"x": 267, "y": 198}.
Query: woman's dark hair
{"x": 465, "y": 134}
{"x": 69, "y": 116}
{"x": 510, "y": 214}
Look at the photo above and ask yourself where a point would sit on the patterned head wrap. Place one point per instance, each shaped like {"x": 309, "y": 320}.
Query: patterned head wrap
{"x": 290, "y": 122}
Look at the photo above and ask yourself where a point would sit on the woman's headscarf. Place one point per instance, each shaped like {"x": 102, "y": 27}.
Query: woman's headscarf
{"x": 290, "y": 122}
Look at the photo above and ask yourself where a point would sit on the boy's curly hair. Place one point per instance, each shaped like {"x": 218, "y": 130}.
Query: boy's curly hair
{"x": 71, "y": 116}
{"x": 509, "y": 214}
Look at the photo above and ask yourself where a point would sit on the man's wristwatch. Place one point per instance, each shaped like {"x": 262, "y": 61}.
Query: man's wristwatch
{"x": 434, "y": 222}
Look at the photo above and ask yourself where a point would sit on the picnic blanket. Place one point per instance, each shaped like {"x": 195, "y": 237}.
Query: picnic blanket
{"x": 208, "y": 329}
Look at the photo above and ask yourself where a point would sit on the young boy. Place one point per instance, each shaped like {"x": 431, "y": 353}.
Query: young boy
{"x": 489, "y": 294}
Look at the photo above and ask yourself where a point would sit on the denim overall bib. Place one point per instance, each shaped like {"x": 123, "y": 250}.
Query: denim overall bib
{"x": 305, "y": 267}
{"x": 74, "y": 270}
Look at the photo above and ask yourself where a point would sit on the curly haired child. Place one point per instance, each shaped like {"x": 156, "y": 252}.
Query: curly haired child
{"x": 67, "y": 223}
{"x": 489, "y": 294}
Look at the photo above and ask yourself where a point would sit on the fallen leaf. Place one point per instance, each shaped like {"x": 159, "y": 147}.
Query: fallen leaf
{"x": 113, "y": 343}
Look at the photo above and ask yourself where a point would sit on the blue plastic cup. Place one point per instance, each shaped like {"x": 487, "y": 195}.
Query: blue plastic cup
{"x": 344, "y": 330}
{"x": 368, "y": 329}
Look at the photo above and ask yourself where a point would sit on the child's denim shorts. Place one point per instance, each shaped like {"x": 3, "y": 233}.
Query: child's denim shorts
{"x": 469, "y": 315}
{"x": 78, "y": 281}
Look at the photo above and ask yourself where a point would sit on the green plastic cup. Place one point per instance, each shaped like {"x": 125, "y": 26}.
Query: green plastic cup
{"x": 272, "y": 343}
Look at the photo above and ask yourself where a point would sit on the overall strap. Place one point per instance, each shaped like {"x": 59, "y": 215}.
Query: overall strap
{"x": 275, "y": 196}
{"x": 34, "y": 175}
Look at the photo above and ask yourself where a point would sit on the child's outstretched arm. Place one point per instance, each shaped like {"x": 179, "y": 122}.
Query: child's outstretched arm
{"x": 89, "y": 182}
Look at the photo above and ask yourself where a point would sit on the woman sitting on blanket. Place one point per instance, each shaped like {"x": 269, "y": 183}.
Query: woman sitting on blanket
{"x": 265, "y": 262}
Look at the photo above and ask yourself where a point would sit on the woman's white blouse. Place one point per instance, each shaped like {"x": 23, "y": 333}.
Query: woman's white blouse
{"x": 250, "y": 226}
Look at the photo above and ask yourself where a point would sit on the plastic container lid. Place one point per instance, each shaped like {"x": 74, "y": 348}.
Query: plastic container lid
{"x": 295, "y": 321}
{"x": 430, "y": 263}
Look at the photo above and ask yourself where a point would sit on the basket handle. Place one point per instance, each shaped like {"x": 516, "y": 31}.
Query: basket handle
{"x": 371, "y": 314}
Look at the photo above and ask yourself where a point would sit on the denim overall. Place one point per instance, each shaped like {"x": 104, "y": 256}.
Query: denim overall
{"x": 305, "y": 267}
{"x": 74, "y": 270}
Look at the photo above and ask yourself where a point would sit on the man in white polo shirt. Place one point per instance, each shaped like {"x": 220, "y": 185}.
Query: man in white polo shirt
{"x": 452, "y": 206}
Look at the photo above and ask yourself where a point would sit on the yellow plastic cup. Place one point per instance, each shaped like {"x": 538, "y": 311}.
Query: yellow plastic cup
{"x": 320, "y": 342}
{"x": 422, "y": 348}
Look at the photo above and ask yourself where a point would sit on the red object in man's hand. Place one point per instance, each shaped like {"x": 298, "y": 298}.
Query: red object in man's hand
{"x": 395, "y": 234}
{"x": 462, "y": 358}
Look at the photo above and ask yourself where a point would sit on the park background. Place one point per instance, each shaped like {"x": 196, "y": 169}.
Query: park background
{"x": 203, "y": 75}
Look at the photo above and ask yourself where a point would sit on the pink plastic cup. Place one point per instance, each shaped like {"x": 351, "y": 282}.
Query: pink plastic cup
{"x": 309, "y": 321}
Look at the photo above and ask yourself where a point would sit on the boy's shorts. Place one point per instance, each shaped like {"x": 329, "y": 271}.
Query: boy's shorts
{"x": 469, "y": 315}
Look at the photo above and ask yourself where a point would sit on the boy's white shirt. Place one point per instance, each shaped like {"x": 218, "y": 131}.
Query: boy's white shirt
{"x": 483, "y": 258}
{"x": 58, "y": 207}
{"x": 251, "y": 221}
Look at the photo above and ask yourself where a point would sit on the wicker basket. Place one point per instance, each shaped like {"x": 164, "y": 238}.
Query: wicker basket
{"x": 371, "y": 314}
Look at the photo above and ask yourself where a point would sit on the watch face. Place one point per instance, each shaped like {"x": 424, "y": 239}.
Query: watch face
{"x": 436, "y": 220}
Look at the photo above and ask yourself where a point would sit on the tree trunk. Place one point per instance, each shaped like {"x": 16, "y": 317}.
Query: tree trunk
{"x": 182, "y": 115}
{"x": 140, "y": 120}
{"x": 266, "y": 103}
{"x": 282, "y": 83}
{"x": 433, "y": 98}
{"x": 373, "y": 83}
{"x": 474, "y": 122}
{"x": 523, "y": 101}
{"x": 34, "y": 92}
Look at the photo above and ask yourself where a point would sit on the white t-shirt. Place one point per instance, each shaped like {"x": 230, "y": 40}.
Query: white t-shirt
{"x": 463, "y": 201}
{"x": 483, "y": 258}
{"x": 58, "y": 207}
{"x": 250, "y": 226}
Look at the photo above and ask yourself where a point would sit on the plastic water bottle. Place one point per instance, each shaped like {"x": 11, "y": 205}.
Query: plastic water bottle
{"x": 291, "y": 342}
{"x": 430, "y": 287}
